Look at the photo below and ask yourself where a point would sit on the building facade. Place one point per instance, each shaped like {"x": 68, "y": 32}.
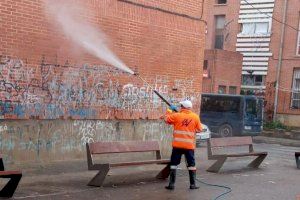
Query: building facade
{"x": 266, "y": 32}
{"x": 55, "y": 96}
{"x": 222, "y": 62}
{"x": 285, "y": 37}
{"x": 220, "y": 66}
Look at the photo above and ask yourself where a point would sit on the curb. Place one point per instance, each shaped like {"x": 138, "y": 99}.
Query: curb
{"x": 281, "y": 133}
{"x": 273, "y": 140}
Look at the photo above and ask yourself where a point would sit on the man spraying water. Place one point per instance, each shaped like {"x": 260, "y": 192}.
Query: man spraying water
{"x": 186, "y": 123}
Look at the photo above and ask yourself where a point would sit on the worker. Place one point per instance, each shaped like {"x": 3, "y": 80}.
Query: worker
{"x": 186, "y": 123}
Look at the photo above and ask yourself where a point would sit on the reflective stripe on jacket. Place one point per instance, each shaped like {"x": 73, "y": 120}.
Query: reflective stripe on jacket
{"x": 186, "y": 124}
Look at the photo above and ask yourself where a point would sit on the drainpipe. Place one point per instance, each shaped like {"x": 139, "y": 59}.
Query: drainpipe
{"x": 280, "y": 60}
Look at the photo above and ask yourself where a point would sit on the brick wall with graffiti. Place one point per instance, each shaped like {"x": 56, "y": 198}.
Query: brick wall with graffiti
{"x": 44, "y": 75}
{"x": 51, "y": 91}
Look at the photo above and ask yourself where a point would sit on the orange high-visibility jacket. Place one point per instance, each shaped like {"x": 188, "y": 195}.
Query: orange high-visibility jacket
{"x": 186, "y": 124}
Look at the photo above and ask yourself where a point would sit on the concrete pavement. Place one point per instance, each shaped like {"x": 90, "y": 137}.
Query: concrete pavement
{"x": 277, "y": 179}
{"x": 276, "y": 140}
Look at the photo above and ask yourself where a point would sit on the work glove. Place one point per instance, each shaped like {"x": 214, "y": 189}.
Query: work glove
{"x": 173, "y": 108}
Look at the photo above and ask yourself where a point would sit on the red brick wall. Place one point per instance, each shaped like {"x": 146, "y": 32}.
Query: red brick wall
{"x": 225, "y": 68}
{"x": 188, "y": 7}
{"x": 44, "y": 75}
{"x": 290, "y": 59}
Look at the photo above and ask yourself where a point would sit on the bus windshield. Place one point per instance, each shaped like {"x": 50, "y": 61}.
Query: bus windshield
{"x": 253, "y": 109}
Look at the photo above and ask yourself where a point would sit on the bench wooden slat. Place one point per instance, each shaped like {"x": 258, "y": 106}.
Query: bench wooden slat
{"x": 230, "y": 141}
{"x": 123, "y": 147}
{"x": 3, "y": 173}
{"x": 140, "y": 163}
{"x": 243, "y": 154}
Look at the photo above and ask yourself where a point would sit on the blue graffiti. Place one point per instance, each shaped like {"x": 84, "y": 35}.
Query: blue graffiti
{"x": 53, "y": 111}
{"x": 9, "y": 108}
{"x": 48, "y": 111}
{"x": 82, "y": 113}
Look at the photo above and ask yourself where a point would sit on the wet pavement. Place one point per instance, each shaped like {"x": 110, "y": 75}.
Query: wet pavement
{"x": 277, "y": 178}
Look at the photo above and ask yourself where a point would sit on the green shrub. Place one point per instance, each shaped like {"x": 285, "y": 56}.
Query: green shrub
{"x": 275, "y": 125}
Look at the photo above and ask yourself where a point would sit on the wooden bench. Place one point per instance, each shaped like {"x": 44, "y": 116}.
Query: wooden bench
{"x": 297, "y": 157}
{"x": 15, "y": 176}
{"x": 213, "y": 143}
{"x": 123, "y": 147}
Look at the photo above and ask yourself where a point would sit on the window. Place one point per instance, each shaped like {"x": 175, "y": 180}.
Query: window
{"x": 258, "y": 28}
{"x": 205, "y": 69}
{"x": 247, "y": 92}
{"x": 219, "y": 28}
{"x": 232, "y": 89}
{"x": 222, "y": 89}
{"x": 205, "y": 65}
{"x": 253, "y": 80}
{"x": 221, "y": 1}
{"x": 296, "y": 90}
{"x": 298, "y": 43}
{"x": 253, "y": 109}
{"x": 220, "y": 104}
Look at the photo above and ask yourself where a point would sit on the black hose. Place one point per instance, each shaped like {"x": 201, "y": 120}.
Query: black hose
{"x": 219, "y": 186}
{"x": 228, "y": 189}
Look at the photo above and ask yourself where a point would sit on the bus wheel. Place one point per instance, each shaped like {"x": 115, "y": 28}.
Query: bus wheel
{"x": 225, "y": 130}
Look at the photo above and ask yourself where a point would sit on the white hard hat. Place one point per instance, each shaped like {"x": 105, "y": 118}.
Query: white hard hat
{"x": 186, "y": 104}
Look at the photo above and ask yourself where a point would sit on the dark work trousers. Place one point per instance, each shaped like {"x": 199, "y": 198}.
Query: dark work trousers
{"x": 176, "y": 157}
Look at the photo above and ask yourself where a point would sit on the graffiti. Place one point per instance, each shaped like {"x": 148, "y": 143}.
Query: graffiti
{"x": 87, "y": 131}
{"x": 90, "y": 131}
{"x": 3, "y": 128}
{"x": 52, "y": 91}
{"x": 141, "y": 98}
{"x": 54, "y": 139}
{"x": 157, "y": 131}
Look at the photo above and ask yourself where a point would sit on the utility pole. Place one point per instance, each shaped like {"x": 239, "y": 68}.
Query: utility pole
{"x": 280, "y": 60}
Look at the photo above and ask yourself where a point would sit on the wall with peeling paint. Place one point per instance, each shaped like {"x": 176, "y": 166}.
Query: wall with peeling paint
{"x": 43, "y": 141}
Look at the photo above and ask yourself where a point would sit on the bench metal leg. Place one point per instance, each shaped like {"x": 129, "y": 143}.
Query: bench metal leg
{"x": 297, "y": 157}
{"x": 255, "y": 163}
{"x": 10, "y": 188}
{"x": 164, "y": 173}
{"x": 100, "y": 176}
{"x": 217, "y": 165}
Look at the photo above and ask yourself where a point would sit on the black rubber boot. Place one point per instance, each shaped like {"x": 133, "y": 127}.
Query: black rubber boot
{"x": 172, "y": 180}
{"x": 193, "y": 185}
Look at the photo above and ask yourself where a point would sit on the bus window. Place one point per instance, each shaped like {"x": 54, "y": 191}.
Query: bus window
{"x": 220, "y": 104}
{"x": 253, "y": 109}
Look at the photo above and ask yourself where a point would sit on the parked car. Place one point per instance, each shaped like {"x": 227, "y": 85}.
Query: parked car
{"x": 203, "y": 135}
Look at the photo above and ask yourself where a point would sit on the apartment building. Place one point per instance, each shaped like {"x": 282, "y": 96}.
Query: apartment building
{"x": 284, "y": 65}
{"x": 221, "y": 59}
{"x": 266, "y": 33}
